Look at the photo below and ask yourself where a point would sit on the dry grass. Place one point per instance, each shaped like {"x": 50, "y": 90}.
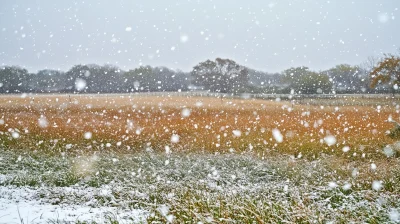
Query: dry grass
{"x": 196, "y": 187}
{"x": 136, "y": 123}
{"x": 266, "y": 184}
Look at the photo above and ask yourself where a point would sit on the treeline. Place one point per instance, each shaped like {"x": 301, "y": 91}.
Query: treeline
{"x": 219, "y": 75}
{"x": 92, "y": 79}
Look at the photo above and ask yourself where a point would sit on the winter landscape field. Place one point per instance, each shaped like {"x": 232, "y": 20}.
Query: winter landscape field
{"x": 136, "y": 158}
{"x": 199, "y": 111}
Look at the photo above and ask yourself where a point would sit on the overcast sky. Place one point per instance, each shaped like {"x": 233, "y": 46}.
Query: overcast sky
{"x": 262, "y": 34}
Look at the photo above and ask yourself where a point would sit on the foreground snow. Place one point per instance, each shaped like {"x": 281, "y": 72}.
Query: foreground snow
{"x": 21, "y": 205}
{"x": 185, "y": 188}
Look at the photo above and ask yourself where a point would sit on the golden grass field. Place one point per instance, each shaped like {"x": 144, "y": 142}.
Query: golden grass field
{"x": 226, "y": 166}
{"x": 137, "y": 122}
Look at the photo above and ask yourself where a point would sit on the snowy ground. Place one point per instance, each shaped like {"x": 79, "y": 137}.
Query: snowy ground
{"x": 147, "y": 187}
{"x": 22, "y": 205}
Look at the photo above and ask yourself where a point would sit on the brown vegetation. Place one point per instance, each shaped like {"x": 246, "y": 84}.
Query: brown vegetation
{"x": 129, "y": 122}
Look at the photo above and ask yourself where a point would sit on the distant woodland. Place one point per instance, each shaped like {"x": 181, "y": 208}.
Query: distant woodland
{"x": 219, "y": 75}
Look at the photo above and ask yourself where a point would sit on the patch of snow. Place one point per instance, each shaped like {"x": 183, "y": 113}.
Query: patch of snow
{"x": 394, "y": 215}
{"x": 19, "y": 205}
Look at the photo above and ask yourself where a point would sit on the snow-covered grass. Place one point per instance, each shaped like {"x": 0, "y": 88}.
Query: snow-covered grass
{"x": 195, "y": 187}
{"x": 22, "y": 205}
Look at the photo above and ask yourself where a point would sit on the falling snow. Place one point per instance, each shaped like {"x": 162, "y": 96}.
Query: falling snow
{"x": 200, "y": 112}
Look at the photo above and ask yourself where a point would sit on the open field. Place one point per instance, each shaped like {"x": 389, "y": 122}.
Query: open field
{"x": 198, "y": 159}
{"x": 128, "y": 123}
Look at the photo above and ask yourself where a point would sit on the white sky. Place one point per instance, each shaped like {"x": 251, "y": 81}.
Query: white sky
{"x": 265, "y": 35}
